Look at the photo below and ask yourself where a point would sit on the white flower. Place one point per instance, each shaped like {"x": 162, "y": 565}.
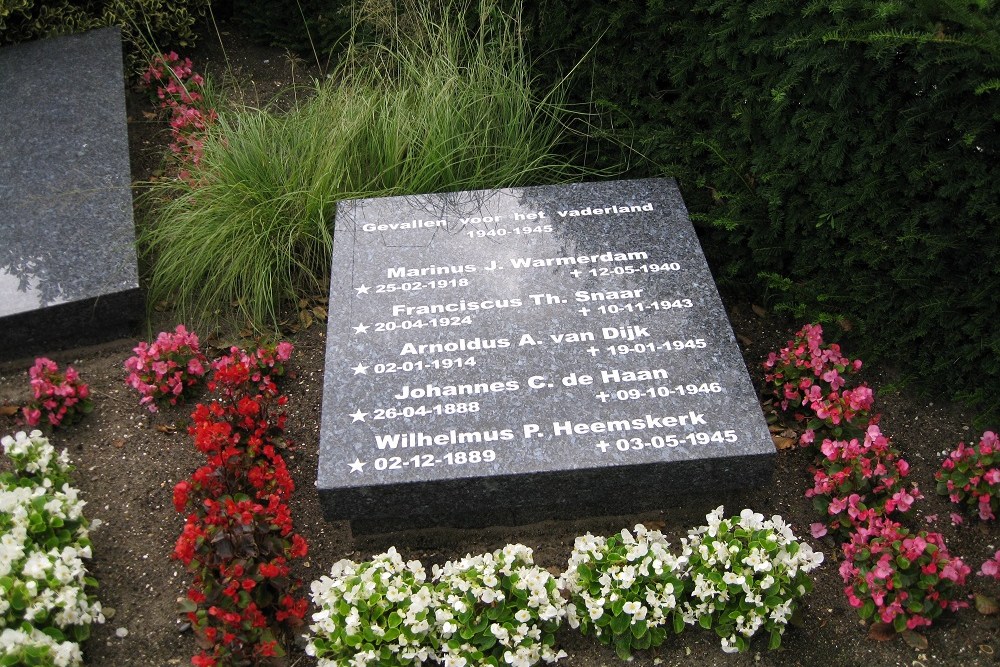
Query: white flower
{"x": 500, "y": 633}
{"x": 731, "y": 578}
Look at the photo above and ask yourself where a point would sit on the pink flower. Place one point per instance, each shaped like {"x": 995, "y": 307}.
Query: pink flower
{"x": 861, "y": 398}
{"x": 883, "y": 570}
{"x": 837, "y": 505}
{"x": 32, "y": 416}
{"x": 829, "y": 448}
{"x": 988, "y": 442}
{"x": 992, "y": 476}
{"x": 283, "y": 351}
{"x": 903, "y": 500}
{"x": 985, "y": 511}
{"x": 818, "y": 530}
{"x": 991, "y": 567}
{"x": 833, "y": 378}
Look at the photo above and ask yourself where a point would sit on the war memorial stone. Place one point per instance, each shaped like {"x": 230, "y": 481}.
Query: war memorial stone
{"x": 68, "y": 271}
{"x": 506, "y": 356}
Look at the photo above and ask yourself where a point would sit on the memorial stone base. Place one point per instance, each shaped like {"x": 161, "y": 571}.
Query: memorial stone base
{"x": 68, "y": 272}
{"x": 504, "y": 357}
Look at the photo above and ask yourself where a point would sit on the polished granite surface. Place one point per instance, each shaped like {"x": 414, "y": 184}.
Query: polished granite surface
{"x": 68, "y": 271}
{"x": 512, "y": 355}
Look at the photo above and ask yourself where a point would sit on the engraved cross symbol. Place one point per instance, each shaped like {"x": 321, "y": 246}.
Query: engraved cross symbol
{"x": 575, "y": 273}
{"x": 604, "y": 396}
{"x": 593, "y": 351}
{"x": 603, "y": 445}
{"x": 584, "y": 311}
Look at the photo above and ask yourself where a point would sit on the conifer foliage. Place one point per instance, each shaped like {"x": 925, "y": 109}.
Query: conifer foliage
{"x": 841, "y": 158}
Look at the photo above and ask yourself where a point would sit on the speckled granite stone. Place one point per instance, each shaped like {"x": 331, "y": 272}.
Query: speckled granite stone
{"x": 604, "y": 373}
{"x": 68, "y": 271}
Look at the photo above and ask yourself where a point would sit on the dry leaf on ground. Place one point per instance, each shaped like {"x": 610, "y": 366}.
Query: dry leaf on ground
{"x": 986, "y": 605}
{"x": 914, "y": 639}
{"x": 881, "y": 632}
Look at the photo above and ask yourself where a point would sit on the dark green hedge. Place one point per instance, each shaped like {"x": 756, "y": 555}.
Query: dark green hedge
{"x": 311, "y": 28}
{"x": 840, "y": 158}
{"x": 843, "y": 157}
{"x": 147, "y": 26}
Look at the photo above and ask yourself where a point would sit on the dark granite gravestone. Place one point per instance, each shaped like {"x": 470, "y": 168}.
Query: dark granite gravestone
{"x": 507, "y": 356}
{"x": 67, "y": 241}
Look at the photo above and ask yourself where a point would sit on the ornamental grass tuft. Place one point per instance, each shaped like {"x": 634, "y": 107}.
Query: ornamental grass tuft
{"x": 440, "y": 99}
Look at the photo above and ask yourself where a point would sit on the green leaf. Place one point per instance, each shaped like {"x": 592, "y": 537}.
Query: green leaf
{"x": 18, "y": 600}
{"x": 55, "y": 633}
{"x": 705, "y": 621}
{"x": 775, "y": 641}
{"x": 617, "y": 606}
{"x": 620, "y": 623}
{"x": 899, "y": 623}
{"x": 480, "y": 625}
{"x": 623, "y": 649}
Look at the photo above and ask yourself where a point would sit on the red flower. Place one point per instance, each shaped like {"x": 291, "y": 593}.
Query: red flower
{"x": 203, "y": 660}
{"x": 299, "y": 547}
{"x": 267, "y": 649}
{"x": 181, "y": 490}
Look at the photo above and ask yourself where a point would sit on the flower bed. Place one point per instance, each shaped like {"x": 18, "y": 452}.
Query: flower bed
{"x": 46, "y": 600}
{"x": 238, "y": 539}
{"x": 734, "y": 576}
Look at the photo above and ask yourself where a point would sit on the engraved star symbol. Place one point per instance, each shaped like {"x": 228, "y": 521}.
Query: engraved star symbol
{"x": 357, "y": 465}
{"x": 358, "y": 416}
{"x": 361, "y": 328}
{"x": 360, "y": 369}
{"x": 362, "y": 290}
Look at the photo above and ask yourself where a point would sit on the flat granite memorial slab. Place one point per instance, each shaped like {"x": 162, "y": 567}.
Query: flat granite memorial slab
{"x": 508, "y": 356}
{"x": 68, "y": 272}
